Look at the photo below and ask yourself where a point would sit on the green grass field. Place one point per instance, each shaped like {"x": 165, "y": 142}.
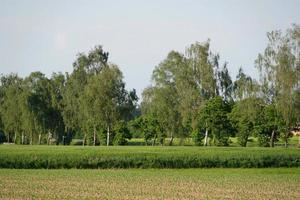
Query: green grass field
{"x": 14, "y": 156}
{"x": 279, "y": 183}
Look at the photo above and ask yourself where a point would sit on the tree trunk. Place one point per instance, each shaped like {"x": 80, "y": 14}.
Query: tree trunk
{"x": 299, "y": 141}
{"x": 153, "y": 142}
{"x": 31, "y": 138}
{"x": 83, "y": 143}
{"x": 272, "y": 139}
{"x": 40, "y": 138}
{"x": 107, "y": 139}
{"x": 286, "y": 139}
{"x": 162, "y": 141}
{"x": 94, "y": 135}
{"x": 22, "y": 138}
{"x": 206, "y": 137}
{"x": 15, "y": 138}
{"x": 171, "y": 139}
{"x": 8, "y": 138}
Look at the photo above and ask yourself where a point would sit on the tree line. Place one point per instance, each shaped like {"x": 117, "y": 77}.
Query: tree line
{"x": 191, "y": 95}
{"x": 91, "y": 103}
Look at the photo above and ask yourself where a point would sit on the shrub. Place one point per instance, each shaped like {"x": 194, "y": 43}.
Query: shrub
{"x": 77, "y": 142}
{"x": 197, "y": 138}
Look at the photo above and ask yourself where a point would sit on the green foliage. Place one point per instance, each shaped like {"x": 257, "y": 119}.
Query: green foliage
{"x": 53, "y": 157}
{"x": 269, "y": 125}
{"x": 90, "y": 99}
{"x": 2, "y": 137}
{"x": 213, "y": 117}
{"x": 190, "y": 97}
{"x": 198, "y": 137}
{"x": 78, "y": 142}
{"x": 280, "y": 74}
{"x": 182, "y": 84}
{"x": 149, "y": 126}
{"x": 244, "y": 118}
{"x": 121, "y": 133}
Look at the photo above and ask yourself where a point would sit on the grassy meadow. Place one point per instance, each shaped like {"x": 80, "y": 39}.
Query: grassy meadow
{"x": 270, "y": 183}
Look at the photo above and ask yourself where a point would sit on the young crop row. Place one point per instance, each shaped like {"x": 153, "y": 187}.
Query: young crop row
{"x": 55, "y": 158}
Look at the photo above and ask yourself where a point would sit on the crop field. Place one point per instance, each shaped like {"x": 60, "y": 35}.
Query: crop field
{"x": 147, "y": 172}
{"x": 267, "y": 183}
{"x": 56, "y": 157}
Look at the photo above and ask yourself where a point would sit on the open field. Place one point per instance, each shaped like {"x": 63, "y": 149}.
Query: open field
{"x": 279, "y": 183}
{"x": 13, "y": 156}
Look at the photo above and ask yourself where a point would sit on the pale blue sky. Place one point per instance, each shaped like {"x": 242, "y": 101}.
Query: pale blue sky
{"x": 47, "y": 35}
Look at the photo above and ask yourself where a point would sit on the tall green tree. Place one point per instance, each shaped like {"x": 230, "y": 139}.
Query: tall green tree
{"x": 103, "y": 98}
{"x": 279, "y": 67}
{"x": 10, "y": 106}
{"x": 225, "y": 84}
{"x": 150, "y": 128}
{"x": 270, "y": 127}
{"x": 84, "y": 67}
{"x": 213, "y": 119}
{"x": 197, "y": 82}
{"x": 40, "y": 109}
{"x": 181, "y": 84}
{"x": 244, "y": 118}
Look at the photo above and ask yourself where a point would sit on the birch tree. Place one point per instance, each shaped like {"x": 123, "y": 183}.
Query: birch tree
{"x": 279, "y": 67}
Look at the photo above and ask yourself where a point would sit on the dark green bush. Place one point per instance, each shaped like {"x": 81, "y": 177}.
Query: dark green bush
{"x": 197, "y": 138}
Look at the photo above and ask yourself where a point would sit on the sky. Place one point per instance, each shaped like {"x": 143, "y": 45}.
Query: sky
{"x": 46, "y": 35}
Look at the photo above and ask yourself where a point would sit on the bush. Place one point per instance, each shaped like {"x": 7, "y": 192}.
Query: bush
{"x": 197, "y": 138}
{"x": 263, "y": 140}
{"x": 119, "y": 139}
{"x": 121, "y": 133}
{"x": 77, "y": 142}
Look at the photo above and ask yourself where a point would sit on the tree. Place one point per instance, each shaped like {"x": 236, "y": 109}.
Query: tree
{"x": 196, "y": 82}
{"x": 163, "y": 97}
{"x": 85, "y": 66}
{"x": 225, "y": 84}
{"x": 213, "y": 119}
{"x": 247, "y": 108}
{"x": 271, "y": 125}
{"x": 39, "y": 107}
{"x": 93, "y": 97}
{"x": 244, "y": 118}
{"x": 244, "y": 86}
{"x": 162, "y": 103}
{"x": 103, "y": 97}
{"x": 279, "y": 68}
{"x": 10, "y": 106}
{"x": 181, "y": 84}
{"x": 149, "y": 126}
{"x": 57, "y": 84}
{"x": 121, "y": 133}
